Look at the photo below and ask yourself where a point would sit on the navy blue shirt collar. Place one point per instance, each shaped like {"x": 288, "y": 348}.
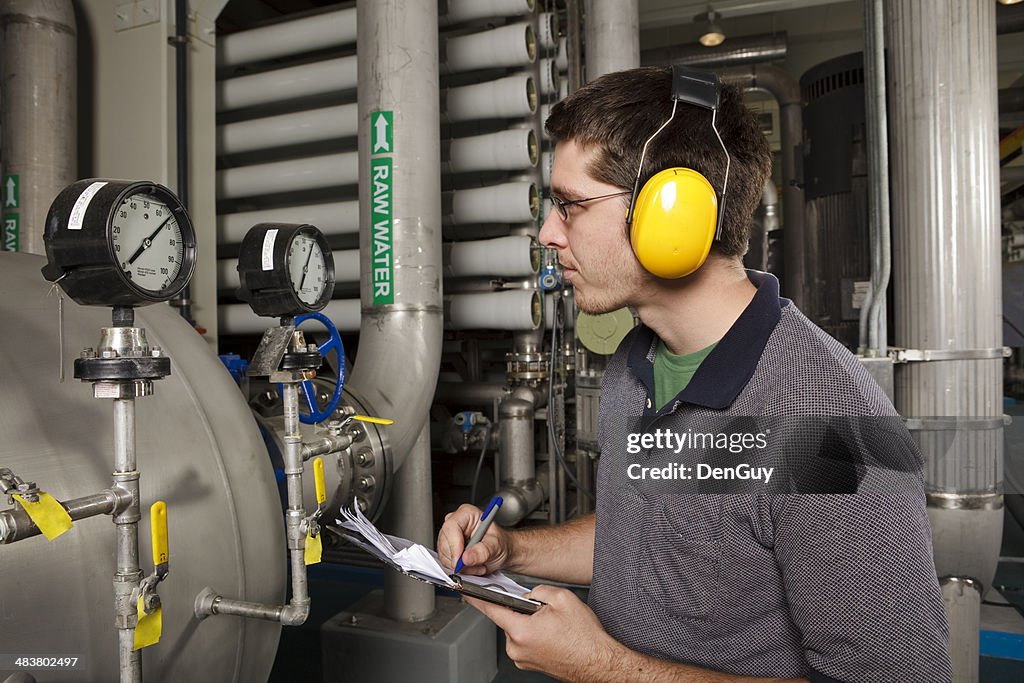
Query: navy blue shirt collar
{"x": 730, "y": 365}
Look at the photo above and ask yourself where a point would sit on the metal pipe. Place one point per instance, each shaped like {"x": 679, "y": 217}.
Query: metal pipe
{"x": 457, "y": 11}
{"x": 327, "y": 170}
{"x": 326, "y": 444}
{"x": 39, "y": 133}
{"x": 508, "y": 257}
{"x": 181, "y": 136}
{"x": 737, "y": 51}
{"x": 515, "y": 202}
{"x": 291, "y": 37}
{"x": 268, "y": 132}
{"x": 878, "y": 174}
{"x": 503, "y": 47}
{"x": 289, "y": 83}
{"x": 16, "y": 525}
{"x": 411, "y": 516}
{"x": 786, "y": 91}
{"x": 332, "y": 218}
{"x": 400, "y": 335}
{"x": 948, "y": 294}
{"x": 512, "y": 97}
{"x": 128, "y": 574}
{"x": 294, "y": 532}
{"x": 507, "y": 150}
{"x": 612, "y": 36}
{"x": 507, "y": 310}
{"x": 574, "y": 45}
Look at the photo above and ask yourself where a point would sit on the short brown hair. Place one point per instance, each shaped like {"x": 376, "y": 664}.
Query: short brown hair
{"x": 620, "y": 111}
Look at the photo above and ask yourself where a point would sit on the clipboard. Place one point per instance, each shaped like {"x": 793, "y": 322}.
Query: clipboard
{"x": 521, "y": 605}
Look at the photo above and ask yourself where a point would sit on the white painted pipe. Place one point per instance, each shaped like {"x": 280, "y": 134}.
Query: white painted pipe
{"x": 288, "y": 38}
{"x": 239, "y": 318}
{"x": 515, "y": 202}
{"x": 518, "y": 309}
{"x": 292, "y": 82}
{"x": 333, "y": 218}
{"x": 458, "y": 11}
{"x": 502, "y": 47}
{"x": 328, "y": 170}
{"x": 513, "y": 256}
{"x": 507, "y": 150}
{"x": 510, "y": 97}
{"x": 562, "y": 58}
{"x": 547, "y": 31}
{"x": 346, "y": 269}
{"x": 314, "y": 125}
{"x": 550, "y": 79}
{"x": 546, "y": 160}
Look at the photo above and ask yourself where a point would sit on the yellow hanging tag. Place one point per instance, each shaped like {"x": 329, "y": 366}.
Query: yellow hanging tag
{"x": 314, "y": 549}
{"x": 374, "y": 420}
{"x": 148, "y": 630}
{"x": 49, "y": 515}
{"x": 158, "y": 533}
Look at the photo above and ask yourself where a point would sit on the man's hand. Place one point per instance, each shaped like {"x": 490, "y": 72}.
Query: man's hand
{"x": 563, "y": 639}
{"x": 489, "y": 555}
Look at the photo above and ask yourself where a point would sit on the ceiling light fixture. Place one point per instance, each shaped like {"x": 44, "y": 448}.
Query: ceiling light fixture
{"x": 712, "y": 34}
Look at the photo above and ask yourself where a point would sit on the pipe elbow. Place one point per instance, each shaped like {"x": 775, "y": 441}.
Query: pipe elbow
{"x": 294, "y": 615}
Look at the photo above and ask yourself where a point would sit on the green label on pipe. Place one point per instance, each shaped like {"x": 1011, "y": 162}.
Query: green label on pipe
{"x": 10, "y": 189}
{"x": 381, "y": 125}
{"x": 10, "y": 241}
{"x": 382, "y": 272}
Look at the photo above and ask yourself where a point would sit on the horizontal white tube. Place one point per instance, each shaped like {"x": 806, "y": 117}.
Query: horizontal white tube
{"x": 288, "y": 38}
{"x": 314, "y": 125}
{"x": 550, "y": 79}
{"x": 468, "y": 10}
{"x": 330, "y": 75}
{"x": 507, "y": 203}
{"x": 509, "y": 97}
{"x": 239, "y": 318}
{"x": 346, "y": 269}
{"x": 507, "y": 150}
{"x": 506, "y": 46}
{"x": 328, "y": 170}
{"x": 547, "y": 32}
{"x": 518, "y": 309}
{"x": 513, "y": 256}
{"x": 333, "y": 218}
{"x": 562, "y": 59}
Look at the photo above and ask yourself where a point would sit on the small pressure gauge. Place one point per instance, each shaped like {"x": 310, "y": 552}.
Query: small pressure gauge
{"x": 285, "y": 269}
{"x": 119, "y": 243}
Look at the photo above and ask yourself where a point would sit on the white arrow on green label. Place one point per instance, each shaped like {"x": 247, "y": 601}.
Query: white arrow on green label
{"x": 381, "y": 126}
{"x": 10, "y": 191}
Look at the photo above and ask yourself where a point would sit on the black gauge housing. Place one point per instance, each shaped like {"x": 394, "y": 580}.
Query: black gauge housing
{"x": 81, "y": 238}
{"x": 265, "y": 281}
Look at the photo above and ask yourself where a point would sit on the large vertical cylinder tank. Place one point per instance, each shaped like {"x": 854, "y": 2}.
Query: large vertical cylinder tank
{"x": 835, "y": 173}
{"x": 198, "y": 449}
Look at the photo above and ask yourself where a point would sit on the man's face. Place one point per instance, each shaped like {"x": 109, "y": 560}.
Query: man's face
{"x": 592, "y": 244}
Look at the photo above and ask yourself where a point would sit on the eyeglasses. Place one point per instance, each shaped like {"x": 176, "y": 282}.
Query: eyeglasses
{"x": 563, "y": 206}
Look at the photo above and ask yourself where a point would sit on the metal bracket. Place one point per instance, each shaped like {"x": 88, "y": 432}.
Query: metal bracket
{"x": 134, "y": 13}
{"x": 11, "y": 484}
{"x": 925, "y": 355}
{"x": 273, "y": 345}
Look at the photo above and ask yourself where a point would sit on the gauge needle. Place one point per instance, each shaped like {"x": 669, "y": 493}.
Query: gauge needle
{"x": 305, "y": 269}
{"x": 148, "y": 242}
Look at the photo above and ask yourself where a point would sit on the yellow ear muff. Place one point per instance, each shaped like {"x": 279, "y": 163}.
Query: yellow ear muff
{"x": 674, "y": 221}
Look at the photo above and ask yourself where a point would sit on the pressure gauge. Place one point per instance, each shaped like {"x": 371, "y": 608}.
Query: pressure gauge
{"x": 285, "y": 269}
{"x": 119, "y": 243}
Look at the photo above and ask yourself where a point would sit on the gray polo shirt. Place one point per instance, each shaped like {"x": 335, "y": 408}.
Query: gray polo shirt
{"x": 760, "y": 583}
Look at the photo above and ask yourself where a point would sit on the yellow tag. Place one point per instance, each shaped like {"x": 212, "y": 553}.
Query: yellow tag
{"x": 314, "y": 549}
{"x": 49, "y": 515}
{"x": 374, "y": 420}
{"x": 148, "y": 630}
{"x": 318, "y": 479}
{"x": 158, "y": 532}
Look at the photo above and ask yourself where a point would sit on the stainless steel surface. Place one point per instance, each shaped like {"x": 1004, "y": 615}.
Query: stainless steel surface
{"x": 126, "y": 523}
{"x": 784, "y": 88}
{"x": 734, "y": 52}
{"x": 874, "y": 324}
{"x": 400, "y": 343}
{"x": 612, "y": 41}
{"x": 515, "y": 424}
{"x": 197, "y": 449}
{"x": 954, "y": 501}
{"x": 39, "y": 137}
{"x": 961, "y": 598}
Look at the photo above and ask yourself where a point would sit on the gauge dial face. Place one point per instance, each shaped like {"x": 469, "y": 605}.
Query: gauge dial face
{"x": 306, "y": 269}
{"x": 147, "y": 242}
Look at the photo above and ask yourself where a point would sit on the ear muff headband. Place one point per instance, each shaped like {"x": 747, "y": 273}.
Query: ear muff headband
{"x": 676, "y": 216}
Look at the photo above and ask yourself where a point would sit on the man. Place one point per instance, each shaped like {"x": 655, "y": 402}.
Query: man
{"x": 708, "y": 587}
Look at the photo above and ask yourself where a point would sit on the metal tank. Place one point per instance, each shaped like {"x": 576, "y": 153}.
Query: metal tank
{"x": 198, "y": 449}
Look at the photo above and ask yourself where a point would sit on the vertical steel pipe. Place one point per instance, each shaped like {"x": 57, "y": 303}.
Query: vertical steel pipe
{"x": 612, "y": 36}
{"x": 128, "y": 574}
{"x": 945, "y": 205}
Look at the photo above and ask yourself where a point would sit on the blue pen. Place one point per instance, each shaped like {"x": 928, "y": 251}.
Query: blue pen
{"x": 485, "y": 523}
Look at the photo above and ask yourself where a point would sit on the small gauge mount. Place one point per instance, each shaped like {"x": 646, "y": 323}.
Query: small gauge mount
{"x": 285, "y": 269}
{"x": 119, "y": 243}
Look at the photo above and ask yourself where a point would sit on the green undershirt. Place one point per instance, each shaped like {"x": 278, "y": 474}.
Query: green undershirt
{"x": 673, "y": 372}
